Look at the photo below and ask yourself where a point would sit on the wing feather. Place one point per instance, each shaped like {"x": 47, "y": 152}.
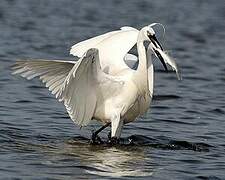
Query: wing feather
{"x": 73, "y": 83}
{"x": 52, "y": 72}
{"x": 80, "y": 48}
{"x": 82, "y": 85}
{"x": 79, "y": 95}
{"x": 112, "y": 46}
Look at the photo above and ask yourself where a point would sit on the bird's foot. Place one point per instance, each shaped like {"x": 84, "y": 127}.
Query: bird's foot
{"x": 114, "y": 141}
{"x": 95, "y": 139}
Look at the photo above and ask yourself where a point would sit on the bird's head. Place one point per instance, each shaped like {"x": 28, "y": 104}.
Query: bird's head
{"x": 148, "y": 34}
{"x": 154, "y": 45}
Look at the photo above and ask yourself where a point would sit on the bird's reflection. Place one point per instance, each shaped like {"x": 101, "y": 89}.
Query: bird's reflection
{"x": 111, "y": 161}
{"x": 116, "y": 162}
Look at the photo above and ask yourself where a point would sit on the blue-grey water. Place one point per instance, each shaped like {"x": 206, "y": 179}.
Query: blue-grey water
{"x": 182, "y": 136}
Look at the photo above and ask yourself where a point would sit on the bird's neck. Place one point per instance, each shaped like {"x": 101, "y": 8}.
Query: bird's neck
{"x": 142, "y": 67}
{"x": 150, "y": 72}
{"x": 141, "y": 73}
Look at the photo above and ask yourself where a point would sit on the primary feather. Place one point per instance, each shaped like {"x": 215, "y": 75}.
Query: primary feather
{"x": 52, "y": 72}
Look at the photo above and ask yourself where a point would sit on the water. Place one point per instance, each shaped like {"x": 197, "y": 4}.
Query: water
{"x": 182, "y": 135}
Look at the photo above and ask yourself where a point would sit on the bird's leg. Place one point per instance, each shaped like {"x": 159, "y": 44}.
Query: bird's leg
{"x": 95, "y": 136}
{"x": 109, "y": 135}
{"x": 116, "y": 128}
{"x": 112, "y": 140}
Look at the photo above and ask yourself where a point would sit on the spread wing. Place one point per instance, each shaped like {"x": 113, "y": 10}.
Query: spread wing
{"x": 75, "y": 83}
{"x": 112, "y": 46}
{"x": 80, "y": 88}
{"x": 78, "y": 94}
{"x": 52, "y": 72}
{"x": 80, "y": 48}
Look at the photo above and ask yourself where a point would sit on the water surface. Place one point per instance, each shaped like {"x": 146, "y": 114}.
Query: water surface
{"x": 180, "y": 137}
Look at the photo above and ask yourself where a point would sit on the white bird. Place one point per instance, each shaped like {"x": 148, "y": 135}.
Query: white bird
{"x": 100, "y": 85}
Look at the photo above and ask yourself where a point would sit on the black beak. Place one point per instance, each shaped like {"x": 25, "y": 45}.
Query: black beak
{"x": 161, "y": 59}
{"x": 156, "y": 43}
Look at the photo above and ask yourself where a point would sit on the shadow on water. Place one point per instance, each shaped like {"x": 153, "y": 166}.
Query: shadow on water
{"x": 162, "y": 142}
{"x": 165, "y": 97}
{"x": 159, "y": 142}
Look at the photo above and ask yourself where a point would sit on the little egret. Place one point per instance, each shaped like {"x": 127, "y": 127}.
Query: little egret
{"x": 102, "y": 84}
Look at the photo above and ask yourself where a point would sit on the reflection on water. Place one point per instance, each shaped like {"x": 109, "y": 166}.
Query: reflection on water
{"x": 124, "y": 160}
{"x": 117, "y": 163}
{"x": 110, "y": 161}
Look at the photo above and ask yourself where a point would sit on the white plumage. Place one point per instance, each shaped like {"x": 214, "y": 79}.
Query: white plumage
{"x": 100, "y": 85}
{"x": 52, "y": 72}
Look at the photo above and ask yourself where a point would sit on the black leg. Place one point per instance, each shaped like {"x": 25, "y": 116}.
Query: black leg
{"x": 109, "y": 135}
{"x": 95, "y": 134}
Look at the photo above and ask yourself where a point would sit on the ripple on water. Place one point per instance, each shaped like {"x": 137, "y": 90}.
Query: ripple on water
{"x": 165, "y": 97}
{"x": 217, "y": 111}
{"x": 160, "y": 142}
{"x": 208, "y": 178}
{"x": 102, "y": 160}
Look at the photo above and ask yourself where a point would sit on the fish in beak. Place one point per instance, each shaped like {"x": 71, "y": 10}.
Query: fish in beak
{"x": 163, "y": 57}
